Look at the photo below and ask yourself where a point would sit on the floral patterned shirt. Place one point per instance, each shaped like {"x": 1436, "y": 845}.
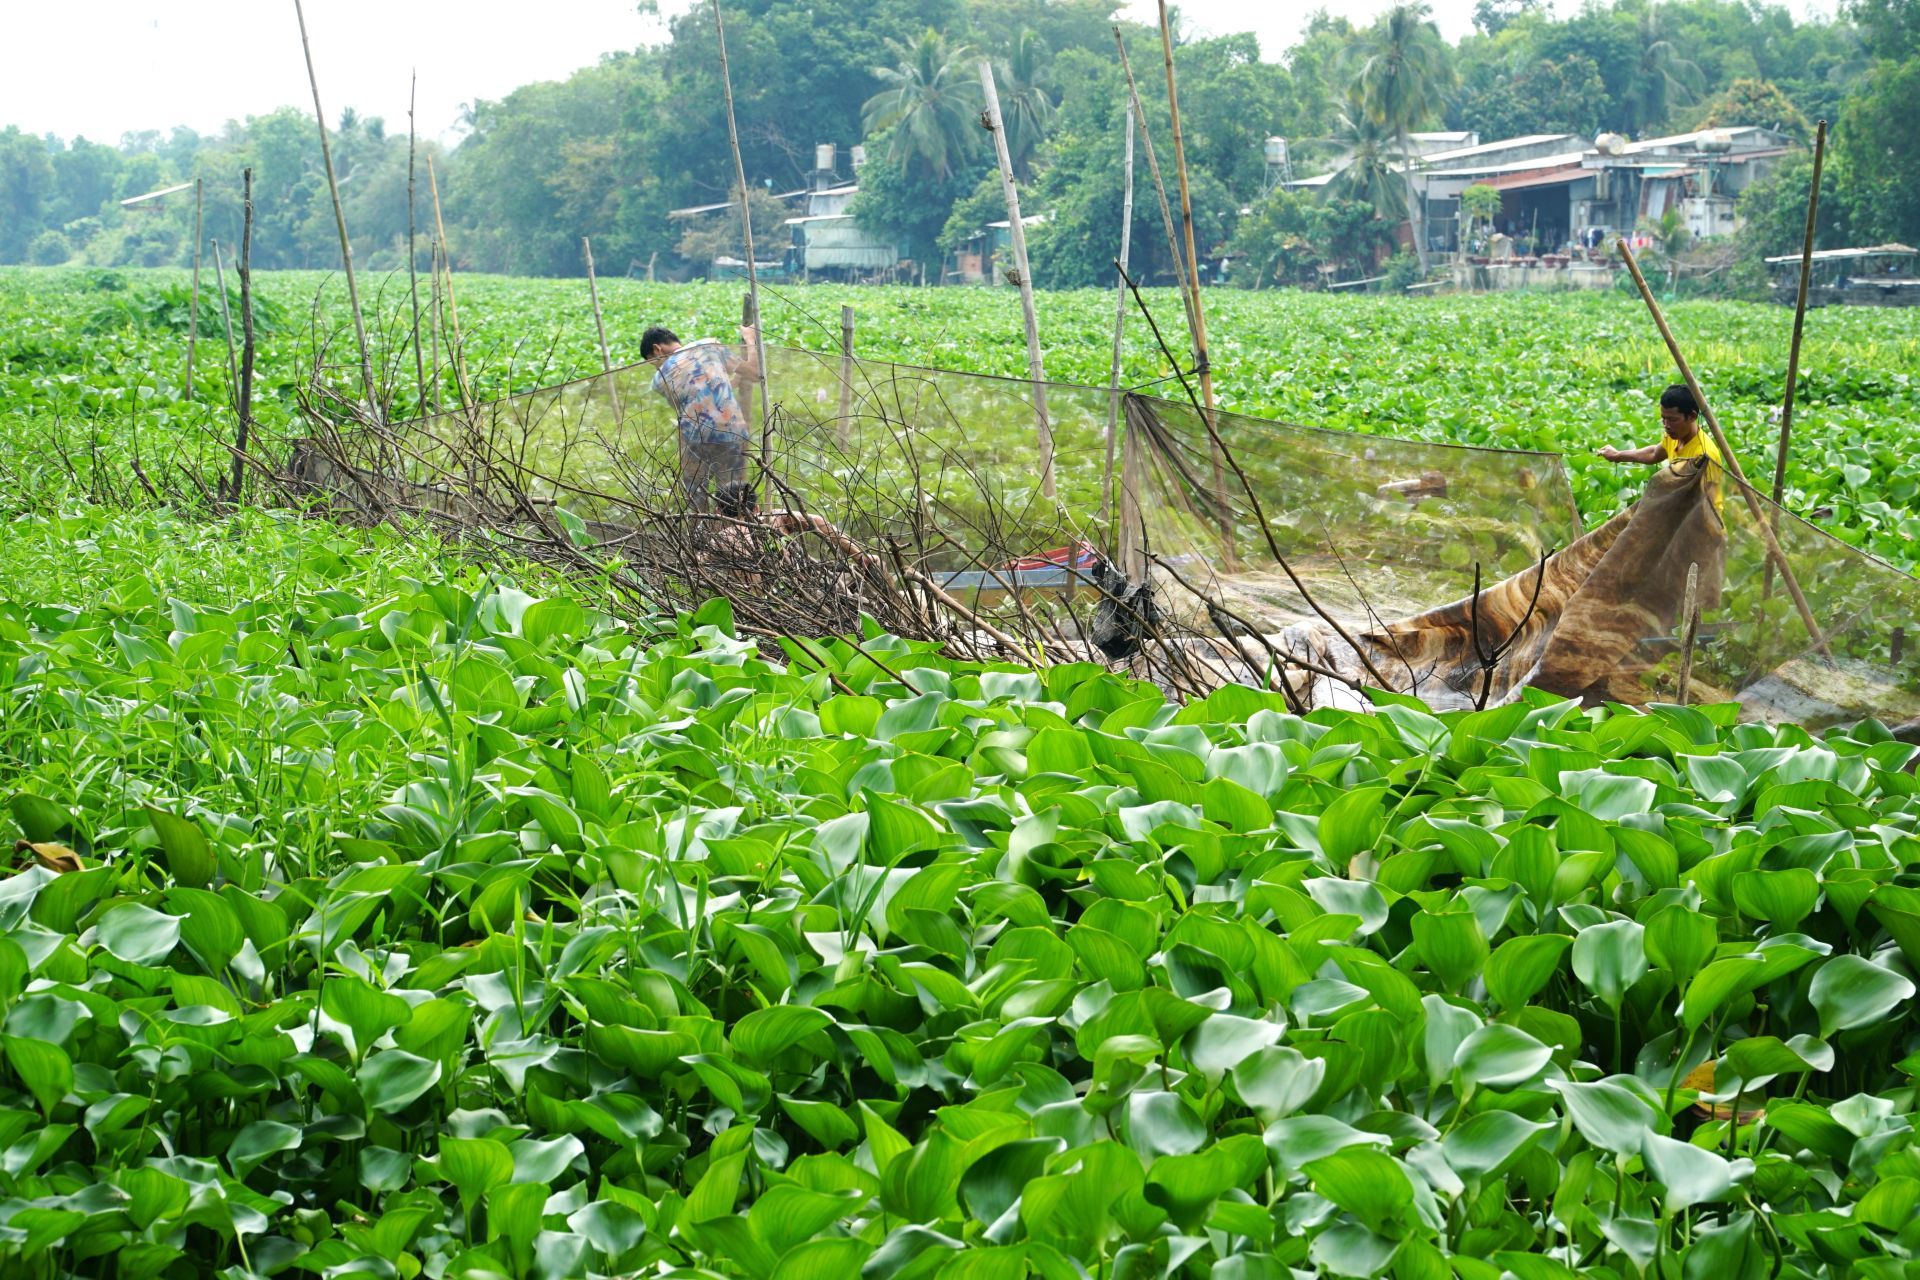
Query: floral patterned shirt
{"x": 695, "y": 381}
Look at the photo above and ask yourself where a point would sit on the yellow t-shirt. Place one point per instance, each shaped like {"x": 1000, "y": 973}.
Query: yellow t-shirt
{"x": 1701, "y": 446}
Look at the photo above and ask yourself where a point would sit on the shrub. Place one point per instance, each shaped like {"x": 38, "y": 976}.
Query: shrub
{"x": 49, "y": 249}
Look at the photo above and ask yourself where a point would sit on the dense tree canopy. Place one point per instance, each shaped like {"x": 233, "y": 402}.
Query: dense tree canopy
{"x": 612, "y": 149}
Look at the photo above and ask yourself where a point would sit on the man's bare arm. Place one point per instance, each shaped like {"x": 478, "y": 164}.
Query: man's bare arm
{"x": 1651, "y": 454}
{"x": 793, "y": 522}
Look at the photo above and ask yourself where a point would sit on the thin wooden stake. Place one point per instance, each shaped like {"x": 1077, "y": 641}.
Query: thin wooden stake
{"x": 606, "y": 356}
{"x": 1119, "y": 322}
{"x": 193, "y": 299}
{"x": 434, "y": 311}
{"x": 245, "y": 404}
{"x": 1196, "y": 314}
{"x": 1035, "y": 366}
{"x": 1690, "y": 619}
{"x": 457, "y": 350}
{"x": 368, "y": 386}
{"x": 1732, "y": 460}
{"x": 413, "y": 267}
{"x": 226, "y": 319}
{"x": 1799, "y": 316}
{"x": 846, "y": 371}
{"x": 746, "y": 232}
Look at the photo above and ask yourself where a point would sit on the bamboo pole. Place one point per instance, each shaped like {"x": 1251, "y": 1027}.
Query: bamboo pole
{"x": 1799, "y": 317}
{"x": 193, "y": 299}
{"x": 1159, "y": 183}
{"x": 1760, "y": 519}
{"x": 746, "y": 232}
{"x": 1197, "y": 314}
{"x": 434, "y": 310}
{"x": 413, "y": 268}
{"x": 226, "y": 319}
{"x": 456, "y": 349}
{"x": 340, "y": 222}
{"x": 846, "y": 371}
{"x": 600, "y": 325}
{"x": 1119, "y": 324}
{"x": 1035, "y": 365}
{"x": 245, "y": 404}
{"x": 1690, "y": 619}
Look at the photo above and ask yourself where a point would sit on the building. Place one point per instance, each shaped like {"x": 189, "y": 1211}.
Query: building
{"x": 827, "y": 241}
{"x": 1560, "y": 192}
{"x": 983, "y": 257}
{"x": 1556, "y": 197}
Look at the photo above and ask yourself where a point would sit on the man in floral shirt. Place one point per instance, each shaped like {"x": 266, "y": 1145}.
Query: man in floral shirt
{"x": 697, "y": 380}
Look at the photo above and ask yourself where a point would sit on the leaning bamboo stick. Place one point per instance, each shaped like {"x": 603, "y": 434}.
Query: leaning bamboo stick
{"x": 1159, "y": 183}
{"x": 844, "y": 421}
{"x": 413, "y": 268}
{"x": 1036, "y": 368}
{"x": 1197, "y": 313}
{"x": 193, "y": 299}
{"x": 1732, "y": 460}
{"x": 245, "y": 400}
{"x": 1799, "y": 316}
{"x": 599, "y": 324}
{"x": 1119, "y": 324}
{"x": 746, "y": 232}
{"x": 226, "y": 319}
{"x": 368, "y": 386}
{"x": 456, "y": 346}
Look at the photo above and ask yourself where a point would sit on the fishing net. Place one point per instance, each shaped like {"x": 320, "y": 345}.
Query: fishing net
{"x": 924, "y": 503}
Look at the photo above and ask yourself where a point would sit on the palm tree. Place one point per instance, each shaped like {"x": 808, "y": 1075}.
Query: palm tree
{"x": 1671, "y": 237}
{"x": 929, "y": 103}
{"x": 1024, "y": 103}
{"x": 1371, "y": 172}
{"x": 1662, "y": 79}
{"x": 1401, "y": 83}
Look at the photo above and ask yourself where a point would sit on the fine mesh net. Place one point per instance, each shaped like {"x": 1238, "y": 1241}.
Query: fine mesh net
{"x": 1309, "y": 560}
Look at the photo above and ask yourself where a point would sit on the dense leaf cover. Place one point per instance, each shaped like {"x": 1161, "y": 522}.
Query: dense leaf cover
{"x": 378, "y": 917}
{"x": 1556, "y": 372}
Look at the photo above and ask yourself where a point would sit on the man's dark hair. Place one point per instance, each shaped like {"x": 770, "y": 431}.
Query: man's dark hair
{"x": 656, "y": 337}
{"x": 736, "y": 500}
{"x": 1679, "y": 397}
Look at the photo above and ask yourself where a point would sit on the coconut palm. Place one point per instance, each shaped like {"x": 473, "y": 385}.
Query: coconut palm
{"x": 1662, "y": 78}
{"x": 1400, "y": 83}
{"x": 1671, "y": 238}
{"x": 929, "y": 103}
{"x": 1371, "y": 172}
{"x": 1024, "y": 104}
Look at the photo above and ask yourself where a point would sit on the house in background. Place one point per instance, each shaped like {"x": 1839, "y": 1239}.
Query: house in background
{"x": 827, "y": 241}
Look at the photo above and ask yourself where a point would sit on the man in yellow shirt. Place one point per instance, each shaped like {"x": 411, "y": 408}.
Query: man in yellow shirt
{"x": 1682, "y": 438}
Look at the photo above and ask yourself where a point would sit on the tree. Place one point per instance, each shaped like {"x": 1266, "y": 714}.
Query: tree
{"x": 1545, "y": 95}
{"x": 1875, "y": 142}
{"x": 929, "y": 109}
{"x": 26, "y": 182}
{"x": 49, "y": 249}
{"x": 1754, "y": 102}
{"x": 1660, "y": 78}
{"x": 1401, "y": 84}
{"x": 1371, "y": 172}
{"x": 1478, "y": 203}
{"x": 1276, "y": 238}
{"x": 1892, "y": 27}
{"x": 719, "y": 235}
{"x": 1024, "y": 105}
{"x": 1671, "y": 238}
{"x": 1491, "y": 17}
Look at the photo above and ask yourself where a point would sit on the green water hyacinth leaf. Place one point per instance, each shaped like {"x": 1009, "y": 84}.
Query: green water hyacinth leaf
{"x": 1352, "y": 824}
{"x": 1781, "y": 898}
{"x": 1368, "y": 1184}
{"x": 1609, "y": 958}
{"x": 1679, "y": 941}
{"x": 392, "y": 1079}
{"x": 474, "y": 1166}
{"x": 44, "y": 1068}
{"x": 1608, "y": 1115}
{"x": 1451, "y": 946}
{"x": 1277, "y": 1081}
{"x": 189, "y": 856}
{"x": 1225, "y": 1040}
{"x": 1488, "y": 1145}
{"x": 1499, "y": 1056}
{"x": 1849, "y": 991}
{"x": 1689, "y": 1175}
{"x": 764, "y": 1034}
{"x": 138, "y": 934}
{"x": 259, "y": 1141}
{"x": 1520, "y": 967}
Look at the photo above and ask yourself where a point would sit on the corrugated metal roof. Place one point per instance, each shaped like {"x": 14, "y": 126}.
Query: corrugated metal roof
{"x": 155, "y": 195}
{"x": 1835, "y": 255}
{"x": 1504, "y": 144}
{"x": 1537, "y": 178}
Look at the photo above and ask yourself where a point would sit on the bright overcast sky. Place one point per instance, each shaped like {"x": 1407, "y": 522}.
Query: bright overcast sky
{"x": 106, "y": 67}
